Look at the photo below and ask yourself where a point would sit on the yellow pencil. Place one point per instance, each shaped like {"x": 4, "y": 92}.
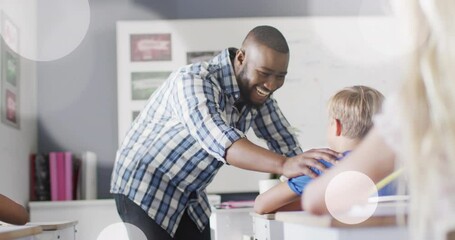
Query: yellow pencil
{"x": 386, "y": 180}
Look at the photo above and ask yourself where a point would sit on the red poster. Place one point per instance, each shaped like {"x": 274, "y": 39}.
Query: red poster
{"x": 10, "y": 106}
{"x": 151, "y": 47}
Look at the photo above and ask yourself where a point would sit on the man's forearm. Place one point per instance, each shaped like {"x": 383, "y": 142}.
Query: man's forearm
{"x": 247, "y": 155}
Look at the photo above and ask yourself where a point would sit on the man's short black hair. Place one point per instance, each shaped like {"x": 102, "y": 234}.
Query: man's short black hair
{"x": 270, "y": 37}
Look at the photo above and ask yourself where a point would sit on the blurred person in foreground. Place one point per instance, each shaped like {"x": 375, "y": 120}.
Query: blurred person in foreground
{"x": 416, "y": 129}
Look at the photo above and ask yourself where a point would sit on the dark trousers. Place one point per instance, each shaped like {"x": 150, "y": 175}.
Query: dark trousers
{"x": 133, "y": 214}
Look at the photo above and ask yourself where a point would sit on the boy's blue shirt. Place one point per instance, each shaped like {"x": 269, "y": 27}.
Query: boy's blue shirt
{"x": 298, "y": 184}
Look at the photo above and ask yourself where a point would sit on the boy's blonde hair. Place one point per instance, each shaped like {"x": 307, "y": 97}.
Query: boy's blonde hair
{"x": 355, "y": 107}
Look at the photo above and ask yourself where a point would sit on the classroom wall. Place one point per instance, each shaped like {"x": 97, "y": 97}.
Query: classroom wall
{"x": 80, "y": 113}
{"x": 16, "y": 144}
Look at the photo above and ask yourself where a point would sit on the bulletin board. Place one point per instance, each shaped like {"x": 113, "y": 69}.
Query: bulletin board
{"x": 326, "y": 54}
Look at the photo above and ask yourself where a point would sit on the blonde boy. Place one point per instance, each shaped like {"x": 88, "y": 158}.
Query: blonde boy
{"x": 350, "y": 118}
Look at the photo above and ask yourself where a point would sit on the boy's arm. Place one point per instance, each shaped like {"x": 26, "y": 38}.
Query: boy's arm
{"x": 276, "y": 198}
{"x": 292, "y": 206}
{"x": 373, "y": 157}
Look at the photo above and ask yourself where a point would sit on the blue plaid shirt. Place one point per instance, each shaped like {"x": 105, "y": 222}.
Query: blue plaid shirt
{"x": 178, "y": 142}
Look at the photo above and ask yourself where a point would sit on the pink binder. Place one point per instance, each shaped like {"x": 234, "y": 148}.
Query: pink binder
{"x": 61, "y": 175}
{"x": 54, "y": 175}
{"x": 68, "y": 183}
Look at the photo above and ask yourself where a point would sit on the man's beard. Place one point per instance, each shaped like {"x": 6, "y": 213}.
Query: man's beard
{"x": 245, "y": 92}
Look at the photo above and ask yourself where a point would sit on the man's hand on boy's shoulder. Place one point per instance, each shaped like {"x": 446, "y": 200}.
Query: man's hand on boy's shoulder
{"x": 300, "y": 164}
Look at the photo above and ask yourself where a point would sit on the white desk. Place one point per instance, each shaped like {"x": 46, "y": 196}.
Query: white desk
{"x": 265, "y": 227}
{"x": 93, "y": 216}
{"x": 10, "y": 232}
{"x": 231, "y": 224}
{"x": 302, "y": 225}
{"x": 65, "y": 230}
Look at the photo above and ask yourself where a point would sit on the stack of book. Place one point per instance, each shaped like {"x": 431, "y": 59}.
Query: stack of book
{"x": 62, "y": 176}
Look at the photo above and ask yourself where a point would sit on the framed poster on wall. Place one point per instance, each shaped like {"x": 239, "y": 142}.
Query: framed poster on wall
{"x": 10, "y": 73}
{"x": 194, "y": 57}
{"x": 143, "y": 84}
{"x": 151, "y": 47}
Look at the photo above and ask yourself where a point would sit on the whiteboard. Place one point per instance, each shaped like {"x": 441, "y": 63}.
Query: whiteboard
{"x": 326, "y": 54}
